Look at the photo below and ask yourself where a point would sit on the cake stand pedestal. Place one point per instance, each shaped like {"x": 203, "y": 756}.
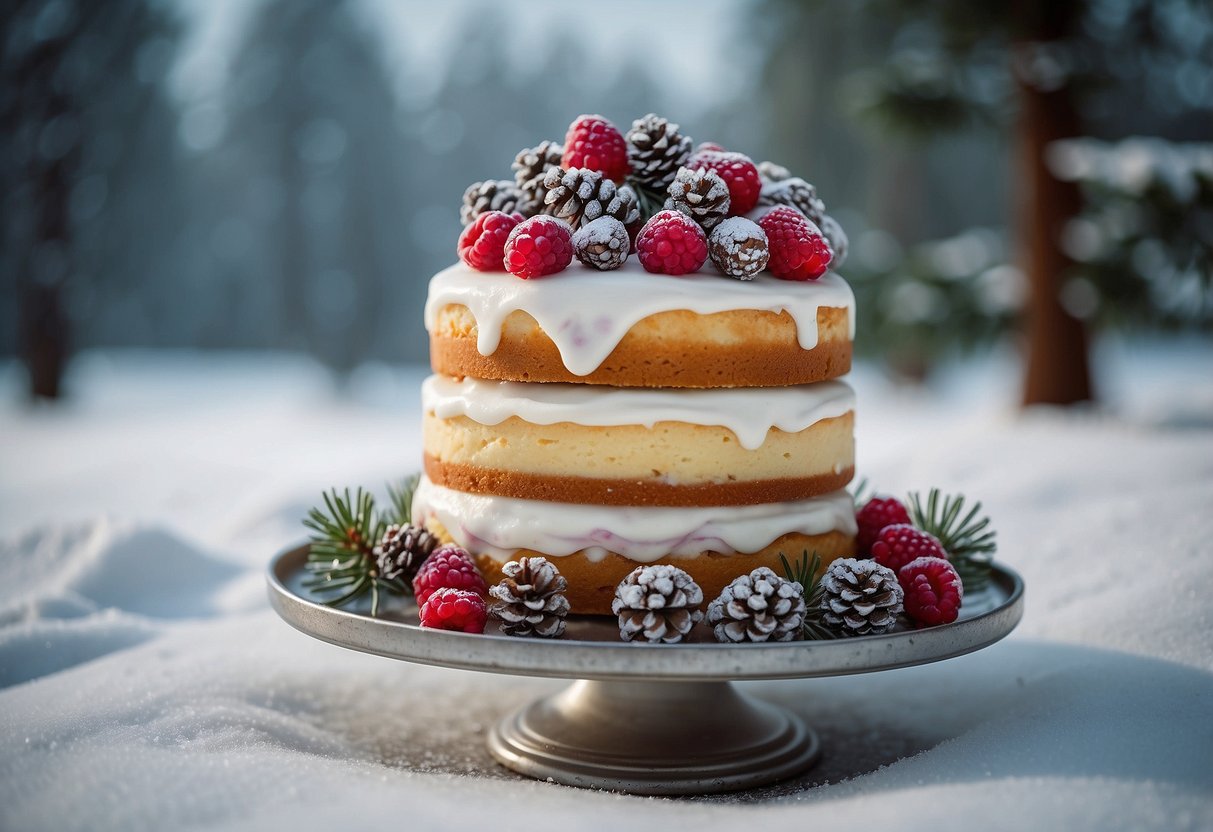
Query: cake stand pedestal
{"x": 647, "y": 719}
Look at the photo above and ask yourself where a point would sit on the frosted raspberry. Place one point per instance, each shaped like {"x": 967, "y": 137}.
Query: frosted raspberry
{"x": 933, "y": 591}
{"x": 449, "y": 567}
{"x": 595, "y": 143}
{"x": 798, "y": 249}
{"x": 539, "y": 246}
{"x": 455, "y": 609}
{"x": 901, "y": 543}
{"x": 709, "y": 147}
{"x": 738, "y": 172}
{"x": 671, "y": 243}
{"x": 877, "y": 513}
{"x": 482, "y": 244}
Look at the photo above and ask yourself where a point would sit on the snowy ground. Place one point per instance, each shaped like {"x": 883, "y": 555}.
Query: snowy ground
{"x": 146, "y": 685}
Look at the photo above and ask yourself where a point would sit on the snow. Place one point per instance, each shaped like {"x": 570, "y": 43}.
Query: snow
{"x": 146, "y": 684}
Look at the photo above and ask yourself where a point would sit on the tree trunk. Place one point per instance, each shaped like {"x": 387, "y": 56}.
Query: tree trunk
{"x": 1056, "y": 362}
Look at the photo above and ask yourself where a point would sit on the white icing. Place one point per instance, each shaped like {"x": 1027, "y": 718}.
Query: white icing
{"x": 748, "y": 412}
{"x": 586, "y": 313}
{"x": 500, "y": 526}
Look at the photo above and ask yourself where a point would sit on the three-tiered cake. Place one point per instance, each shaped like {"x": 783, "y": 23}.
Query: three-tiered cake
{"x": 610, "y": 419}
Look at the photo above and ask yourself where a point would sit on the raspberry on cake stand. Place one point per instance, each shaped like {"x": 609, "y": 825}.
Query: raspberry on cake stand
{"x": 648, "y": 719}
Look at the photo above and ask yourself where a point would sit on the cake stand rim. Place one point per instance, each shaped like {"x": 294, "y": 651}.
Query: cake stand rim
{"x": 580, "y": 659}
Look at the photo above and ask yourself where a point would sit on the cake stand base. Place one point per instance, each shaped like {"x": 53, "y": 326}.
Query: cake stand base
{"x": 659, "y": 738}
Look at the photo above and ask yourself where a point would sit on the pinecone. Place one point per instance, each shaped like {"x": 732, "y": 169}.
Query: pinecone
{"x": 798, "y": 194}
{"x": 738, "y": 247}
{"x": 530, "y": 166}
{"x": 602, "y": 244}
{"x": 700, "y": 194}
{"x": 491, "y": 195}
{"x": 580, "y": 196}
{"x": 658, "y": 603}
{"x": 402, "y": 550}
{"x": 760, "y": 606}
{"x": 860, "y": 597}
{"x": 773, "y": 172}
{"x": 530, "y": 599}
{"x": 656, "y": 151}
{"x": 837, "y": 238}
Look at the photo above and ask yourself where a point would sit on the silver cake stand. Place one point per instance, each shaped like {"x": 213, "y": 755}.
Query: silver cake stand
{"x": 647, "y": 719}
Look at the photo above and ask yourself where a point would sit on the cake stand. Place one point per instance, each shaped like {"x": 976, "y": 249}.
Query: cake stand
{"x": 646, "y": 719}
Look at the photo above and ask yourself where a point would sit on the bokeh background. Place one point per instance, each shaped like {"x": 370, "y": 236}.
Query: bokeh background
{"x": 286, "y": 174}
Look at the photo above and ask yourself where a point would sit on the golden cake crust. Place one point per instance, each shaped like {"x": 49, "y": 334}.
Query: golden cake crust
{"x": 678, "y": 348}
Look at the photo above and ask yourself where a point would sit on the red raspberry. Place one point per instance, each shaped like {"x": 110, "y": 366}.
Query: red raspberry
{"x": 538, "y": 246}
{"x": 482, "y": 244}
{"x": 798, "y": 249}
{"x": 671, "y": 243}
{"x": 455, "y": 609}
{"x": 877, "y": 513}
{"x": 449, "y": 567}
{"x": 933, "y": 591}
{"x": 900, "y": 543}
{"x": 594, "y": 143}
{"x": 738, "y": 172}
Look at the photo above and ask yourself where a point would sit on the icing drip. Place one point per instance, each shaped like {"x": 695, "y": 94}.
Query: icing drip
{"x": 500, "y": 526}
{"x": 586, "y": 313}
{"x": 749, "y": 413}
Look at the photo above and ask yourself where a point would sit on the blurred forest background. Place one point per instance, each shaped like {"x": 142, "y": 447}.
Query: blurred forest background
{"x": 286, "y": 174}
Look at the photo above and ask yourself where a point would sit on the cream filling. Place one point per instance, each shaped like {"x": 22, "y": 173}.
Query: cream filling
{"x": 500, "y": 526}
{"x": 750, "y": 413}
{"x": 586, "y": 312}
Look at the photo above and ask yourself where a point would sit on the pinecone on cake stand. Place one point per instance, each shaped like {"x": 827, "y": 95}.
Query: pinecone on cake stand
{"x": 659, "y": 604}
{"x": 760, "y": 606}
{"x": 492, "y": 195}
{"x": 402, "y": 550}
{"x": 656, "y": 150}
{"x": 860, "y": 597}
{"x": 530, "y": 599}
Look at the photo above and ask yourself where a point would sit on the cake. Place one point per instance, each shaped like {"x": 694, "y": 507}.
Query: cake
{"x": 606, "y": 419}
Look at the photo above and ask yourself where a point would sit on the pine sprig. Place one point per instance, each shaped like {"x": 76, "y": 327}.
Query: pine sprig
{"x": 649, "y": 200}
{"x": 804, "y": 571}
{"x": 966, "y": 537}
{"x": 341, "y": 557}
{"x": 861, "y": 493}
{"x": 400, "y": 497}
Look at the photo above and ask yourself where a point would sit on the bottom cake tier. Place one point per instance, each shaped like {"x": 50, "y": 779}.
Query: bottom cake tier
{"x": 595, "y": 547}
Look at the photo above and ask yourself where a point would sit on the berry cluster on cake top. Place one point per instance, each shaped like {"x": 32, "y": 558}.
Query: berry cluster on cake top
{"x": 602, "y": 196}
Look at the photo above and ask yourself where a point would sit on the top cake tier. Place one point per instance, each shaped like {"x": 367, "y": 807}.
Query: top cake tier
{"x": 631, "y": 328}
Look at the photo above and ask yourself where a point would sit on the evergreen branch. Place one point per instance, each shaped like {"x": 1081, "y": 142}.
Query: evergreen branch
{"x": 968, "y": 539}
{"x": 648, "y": 200}
{"x": 860, "y": 494}
{"x": 804, "y": 572}
{"x": 341, "y": 552}
{"x": 400, "y": 512}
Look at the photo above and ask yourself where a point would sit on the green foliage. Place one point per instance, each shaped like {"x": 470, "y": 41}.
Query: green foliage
{"x": 806, "y": 571}
{"x": 966, "y": 537}
{"x": 400, "y": 512}
{"x": 341, "y": 558}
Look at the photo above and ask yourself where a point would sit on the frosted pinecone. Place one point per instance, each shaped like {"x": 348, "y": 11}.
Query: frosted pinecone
{"x": 738, "y": 247}
{"x": 860, "y": 597}
{"x": 491, "y": 195}
{"x": 773, "y": 172}
{"x": 760, "y": 606}
{"x": 402, "y": 550}
{"x": 530, "y": 166}
{"x": 796, "y": 193}
{"x": 602, "y": 244}
{"x": 837, "y": 238}
{"x": 530, "y": 600}
{"x": 657, "y": 603}
{"x": 580, "y": 196}
{"x": 656, "y": 150}
{"x": 700, "y": 194}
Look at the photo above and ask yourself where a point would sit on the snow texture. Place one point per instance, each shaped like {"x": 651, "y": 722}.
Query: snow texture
{"x": 147, "y": 685}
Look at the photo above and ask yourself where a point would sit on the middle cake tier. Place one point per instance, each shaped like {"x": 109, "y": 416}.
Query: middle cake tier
{"x": 575, "y": 443}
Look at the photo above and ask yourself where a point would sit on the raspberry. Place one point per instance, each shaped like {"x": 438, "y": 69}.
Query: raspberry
{"x": 538, "y": 246}
{"x": 900, "y": 543}
{"x": 738, "y": 172}
{"x": 877, "y": 513}
{"x": 594, "y": 143}
{"x": 671, "y": 243}
{"x": 482, "y": 244}
{"x": 449, "y": 567}
{"x": 933, "y": 591}
{"x": 455, "y": 609}
{"x": 798, "y": 249}
{"x": 709, "y": 147}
